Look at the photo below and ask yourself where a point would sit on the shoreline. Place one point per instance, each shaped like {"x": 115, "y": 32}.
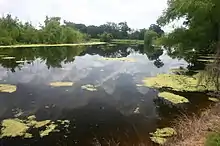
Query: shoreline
{"x": 53, "y": 45}
{"x": 196, "y": 130}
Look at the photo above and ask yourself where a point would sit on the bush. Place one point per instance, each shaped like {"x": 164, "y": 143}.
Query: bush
{"x": 106, "y": 37}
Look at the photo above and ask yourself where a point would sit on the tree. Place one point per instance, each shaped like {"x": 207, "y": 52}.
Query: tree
{"x": 106, "y": 37}
{"x": 157, "y": 29}
{"x": 124, "y": 29}
{"x": 200, "y": 31}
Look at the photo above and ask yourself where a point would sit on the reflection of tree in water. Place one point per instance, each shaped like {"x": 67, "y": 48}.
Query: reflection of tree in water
{"x": 153, "y": 53}
{"x": 112, "y": 51}
{"x": 53, "y": 56}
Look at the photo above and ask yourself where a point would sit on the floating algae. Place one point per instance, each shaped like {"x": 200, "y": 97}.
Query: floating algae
{"x": 120, "y": 59}
{"x": 61, "y": 84}
{"x": 8, "y": 58}
{"x": 50, "y": 128}
{"x": 17, "y": 127}
{"x": 173, "y": 97}
{"x": 214, "y": 99}
{"x": 89, "y": 87}
{"x": 161, "y": 134}
{"x": 177, "y": 83}
{"x": 13, "y": 128}
{"x": 20, "y": 61}
{"x": 7, "y": 88}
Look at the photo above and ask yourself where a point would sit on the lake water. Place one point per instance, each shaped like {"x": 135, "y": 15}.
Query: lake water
{"x": 119, "y": 111}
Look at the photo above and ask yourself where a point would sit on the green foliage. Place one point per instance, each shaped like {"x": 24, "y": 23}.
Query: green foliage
{"x": 12, "y": 31}
{"x": 200, "y": 28}
{"x": 213, "y": 140}
{"x": 106, "y": 37}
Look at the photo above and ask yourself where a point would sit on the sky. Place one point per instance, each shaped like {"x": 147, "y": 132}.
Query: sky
{"x": 138, "y": 13}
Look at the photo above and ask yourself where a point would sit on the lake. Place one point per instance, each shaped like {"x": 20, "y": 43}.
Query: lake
{"x": 118, "y": 110}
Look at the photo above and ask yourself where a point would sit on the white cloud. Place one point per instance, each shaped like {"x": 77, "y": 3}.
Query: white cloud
{"x": 138, "y": 13}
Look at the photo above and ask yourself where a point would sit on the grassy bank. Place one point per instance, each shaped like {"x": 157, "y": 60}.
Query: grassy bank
{"x": 123, "y": 41}
{"x": 53, "y": 45}
{"x": 203, "y": 130}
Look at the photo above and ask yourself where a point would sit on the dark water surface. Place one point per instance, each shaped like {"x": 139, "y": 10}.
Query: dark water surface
{"x": 118, "y": 111}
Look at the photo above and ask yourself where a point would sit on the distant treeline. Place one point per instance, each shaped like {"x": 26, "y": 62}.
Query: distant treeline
{"x": 13, "y": 31}
{"x": 53, "y": 31}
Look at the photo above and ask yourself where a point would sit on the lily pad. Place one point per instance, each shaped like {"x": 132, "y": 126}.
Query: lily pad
{"x": 177, "y": 83}
{"x": 173, "y": 97}
{"x": 119, "y": 59}
{"x": 13, "y": 128}
{"x": 161, "y": 134}
{"x": 7, "y": 88}
{"x": 8, "y": 58}
{"x": 214, "y": 99}
{"x": 61, "y": 84}
{"x": 89, "y": 87}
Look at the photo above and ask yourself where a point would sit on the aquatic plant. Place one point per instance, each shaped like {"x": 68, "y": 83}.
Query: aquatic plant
{"x": 20, "y": 61}
{"x": 176, "y": 99}
{"x": 89, "y": 87}
{"x": 8, "y": 58}
{"x": 177, "y": 83}
{"x": 13, "y": 128}
{"x": 214, "y": 99}
{"x": 50, "y": 128}
{"x": 16, "y": 127}
{"x": 61, "y": 84}
{"x": 161, "y": 134}
{"x": 7, "y": 88}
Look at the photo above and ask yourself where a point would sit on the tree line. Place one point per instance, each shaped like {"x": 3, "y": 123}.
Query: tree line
{"x": 13, "y": 31}
{"x": 53, "y": 31}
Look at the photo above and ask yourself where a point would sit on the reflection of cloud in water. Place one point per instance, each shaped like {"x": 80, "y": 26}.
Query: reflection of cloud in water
{"x": 89, "y": 67}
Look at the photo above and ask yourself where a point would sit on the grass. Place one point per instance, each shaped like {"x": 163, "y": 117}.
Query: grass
{"x": 213, "y": 140}
{"x": 53, "y": 45}
{"x": 198, "y": 130}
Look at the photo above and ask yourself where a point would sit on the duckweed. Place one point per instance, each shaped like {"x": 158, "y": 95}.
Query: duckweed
{"x": 8, "y": 58}
{"x": 61, "y": 84}
{"x": 214, "y": 99}
{"x": 13, "y": 128}
{"x": 89, "y": 87}
{"x": 50, "y": 128}
{"x": 7, "y": 88}
{"x": 161, "y": 134}
{"x": 177, "y": 83}
{"x": 173, "y": 97}
{"x": 16, "y": 127}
